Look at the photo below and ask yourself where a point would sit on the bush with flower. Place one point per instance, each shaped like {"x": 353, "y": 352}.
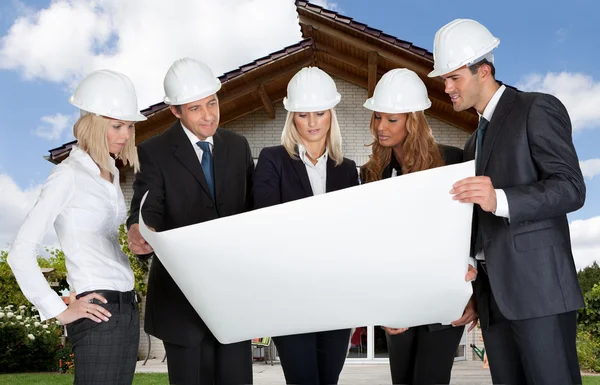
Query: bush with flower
{"x": 26, "y": 343}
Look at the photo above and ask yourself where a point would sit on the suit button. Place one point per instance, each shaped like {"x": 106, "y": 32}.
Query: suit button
{"x": 211, "y": 206}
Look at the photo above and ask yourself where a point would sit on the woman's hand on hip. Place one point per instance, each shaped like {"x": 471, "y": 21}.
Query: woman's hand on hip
{"x": 84, "y": 308}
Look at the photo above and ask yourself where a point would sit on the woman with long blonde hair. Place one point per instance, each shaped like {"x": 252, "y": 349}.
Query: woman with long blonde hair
{"x": 309, "y": 162}
{"x": 403, "y": 143}
{"x": 83, "y": 201}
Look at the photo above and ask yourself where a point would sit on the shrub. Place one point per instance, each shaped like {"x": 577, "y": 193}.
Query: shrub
{"x": 26, "y": 344}
{"x": 589, "y": 317}
{"x": 588, "y": 351}
{"x": 588, "y": 277}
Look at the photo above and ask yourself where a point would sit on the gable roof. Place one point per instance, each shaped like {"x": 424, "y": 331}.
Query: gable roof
{"x": 339, "y": 45}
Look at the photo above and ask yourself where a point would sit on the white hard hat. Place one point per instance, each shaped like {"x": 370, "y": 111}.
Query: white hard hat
{"x": 311, "y": 90}
{"x": 107, "y": 93}
{"x": 399, "y": 91}
{"x": 188, "y": 80}
{"x": 461, "y": 42}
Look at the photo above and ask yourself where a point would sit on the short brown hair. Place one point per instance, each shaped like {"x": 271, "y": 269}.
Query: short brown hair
{"x": 475, "y": 67}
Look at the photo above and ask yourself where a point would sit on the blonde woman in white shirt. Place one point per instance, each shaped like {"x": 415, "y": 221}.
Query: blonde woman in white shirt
{"x": 82, "y": 199}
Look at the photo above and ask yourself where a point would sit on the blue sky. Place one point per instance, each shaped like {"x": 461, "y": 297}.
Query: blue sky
{"x": 47, "y": 46}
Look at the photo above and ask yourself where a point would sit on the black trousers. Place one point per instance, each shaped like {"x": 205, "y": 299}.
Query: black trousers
{"x": 106, "y": 352}
{"x": 210, "y": 363}
{"x": 313, "y": 358}
{"x": 532, "y": 351}
{"x": 422, "y": 357}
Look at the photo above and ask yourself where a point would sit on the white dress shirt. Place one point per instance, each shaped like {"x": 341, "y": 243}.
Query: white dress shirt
{"x": 317, "y": 173}
{"x": 501, "y": 200}
{"x": 86, "y": 211}
{"x": 194, "y": 140}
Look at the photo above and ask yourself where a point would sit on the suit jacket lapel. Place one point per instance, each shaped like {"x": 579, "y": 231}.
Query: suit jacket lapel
{"x": 187, "y": 156}
{"x": 502, "y": 109}
{"x": 469, "y": 153}
{"x": 332, "y": 179}
{"x": 220, "y": 151}
{"x": 300, "y": 169}
{"x": 387, "y": 172}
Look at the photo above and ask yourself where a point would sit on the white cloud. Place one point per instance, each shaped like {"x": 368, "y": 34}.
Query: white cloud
{"x": 14, "y": 206}
{"x": 53, "y": 126}
{"x": 585, "y": 237}
{"x": 330, "y": 5}
{"x": 579, "y": 92}
{"x": 590, "y": 167}
{"x": 141, "y": 38}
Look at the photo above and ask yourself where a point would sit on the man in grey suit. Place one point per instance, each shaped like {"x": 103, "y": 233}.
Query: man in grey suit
{"x": 528, "y": 179}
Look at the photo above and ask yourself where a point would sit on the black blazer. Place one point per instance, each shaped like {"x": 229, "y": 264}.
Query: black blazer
{"x": 528, "y": 152}
{"x": 451, "y": 155}
{"x": 279, "y": 178}
{"x": 179, "y": 196}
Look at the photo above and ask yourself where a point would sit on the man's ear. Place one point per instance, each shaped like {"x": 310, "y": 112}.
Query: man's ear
{"x": 175, "y": 111}
{"x": 485, "y": 71}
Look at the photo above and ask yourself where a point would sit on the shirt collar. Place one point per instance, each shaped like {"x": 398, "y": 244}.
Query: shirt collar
{"x": 86, "y": 160}
{"x": 194, "y": 139}
{"x": 488, "y": 112}
{"x": 302, "y": 154}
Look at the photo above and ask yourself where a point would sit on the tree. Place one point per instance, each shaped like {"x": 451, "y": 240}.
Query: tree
{"x": 588, "y": 277}
{"x": 589, "y": 317}
{"x": 11, "y": 293}
{"x": 56, "y": 261}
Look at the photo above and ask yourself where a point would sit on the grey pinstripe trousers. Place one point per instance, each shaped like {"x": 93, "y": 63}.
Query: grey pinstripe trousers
{"x": 106, "y": 352}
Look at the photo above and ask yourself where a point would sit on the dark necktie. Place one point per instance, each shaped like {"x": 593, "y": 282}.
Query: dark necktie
{"x": 207, "y": 166}
{"x": 481, "y": 128}
{"x": 483, "y": 125}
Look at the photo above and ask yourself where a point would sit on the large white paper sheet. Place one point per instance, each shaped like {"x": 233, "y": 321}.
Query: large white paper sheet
{"x": 391, "y": 253}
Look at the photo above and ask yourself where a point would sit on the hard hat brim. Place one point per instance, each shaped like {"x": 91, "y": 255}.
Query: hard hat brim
{"x": 371, "y": 105}
{"x": 193, "y": 98}
{"x": 314, "y": 108}
{"x": 439, "y": 72}
{"x": 128, "y": 118}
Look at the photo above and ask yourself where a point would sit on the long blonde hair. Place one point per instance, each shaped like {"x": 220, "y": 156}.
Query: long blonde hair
{"x": 419, "y": 150}
{"x": 290, "y": 138}
{"x": 90, "y": 132}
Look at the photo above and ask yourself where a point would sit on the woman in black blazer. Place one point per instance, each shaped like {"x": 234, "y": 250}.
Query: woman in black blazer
{"x": 403, "y": 143}
{"x": 309, "y": 162}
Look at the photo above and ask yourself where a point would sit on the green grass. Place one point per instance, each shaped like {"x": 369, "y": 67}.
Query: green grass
{"x": 67, "y": 379}
{"x": 591, "y": 380}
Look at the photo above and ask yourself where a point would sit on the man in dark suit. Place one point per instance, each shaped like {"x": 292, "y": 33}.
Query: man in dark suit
{"x": 528, "y": 179}
{"x": 194, "y": 172}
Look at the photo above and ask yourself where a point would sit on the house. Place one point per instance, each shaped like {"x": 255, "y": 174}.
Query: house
{"x": 356, "y": 56}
